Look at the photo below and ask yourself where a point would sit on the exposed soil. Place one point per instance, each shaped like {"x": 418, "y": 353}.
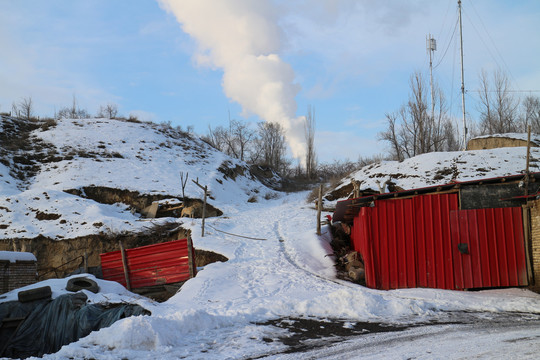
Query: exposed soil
{"x": 20, "y": 151}
{"x": 138, "y": 201}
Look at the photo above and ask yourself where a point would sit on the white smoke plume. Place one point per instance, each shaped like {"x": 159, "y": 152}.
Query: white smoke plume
{"x": 242, "y": 38}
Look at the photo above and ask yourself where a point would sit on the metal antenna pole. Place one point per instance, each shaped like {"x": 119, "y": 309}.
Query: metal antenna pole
{"x": 431, "y": 46}
{"x": 462, "y": 79}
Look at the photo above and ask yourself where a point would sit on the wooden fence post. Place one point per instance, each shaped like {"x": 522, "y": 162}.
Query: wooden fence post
{"x": 191, "y": 257}
{"x": 204, "y": 209}
{"x": 319, "y": 210}
{"x": 205, "y": 188}
{"x": 124, "y": 265}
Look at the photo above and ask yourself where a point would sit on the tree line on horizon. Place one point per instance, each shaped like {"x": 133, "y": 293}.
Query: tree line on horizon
{"x": 415, "y": 128}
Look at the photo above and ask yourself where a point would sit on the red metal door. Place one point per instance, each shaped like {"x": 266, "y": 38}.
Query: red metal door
{"x": 488, "y": 248}
{"x": 407, "y": 242}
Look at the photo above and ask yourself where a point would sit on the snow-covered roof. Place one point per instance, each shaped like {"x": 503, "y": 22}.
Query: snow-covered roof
{"x": 441, "y": 168}
{"x": 14, "y": 256}
{"x": 535, "y": 138}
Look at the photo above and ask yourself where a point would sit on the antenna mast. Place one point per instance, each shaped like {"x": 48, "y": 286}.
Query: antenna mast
{"x": 462, "y": 79}
{"x": 431, "y": 46}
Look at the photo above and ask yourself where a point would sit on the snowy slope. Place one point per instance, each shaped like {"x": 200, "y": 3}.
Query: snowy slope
{"x": 142, "y": 157}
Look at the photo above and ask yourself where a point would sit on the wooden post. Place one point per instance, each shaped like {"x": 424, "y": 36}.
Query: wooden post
{"x": 204, "y": 210}
{"x": 528, "y": 159}
{"x": 191, "y": 257}
{"x": 528, "y": 146}
{"x": 124, "y": 265}
{"x": 205, "y": 188}
{"x": 319, "y": 210}
{"x": 526, "y": 213}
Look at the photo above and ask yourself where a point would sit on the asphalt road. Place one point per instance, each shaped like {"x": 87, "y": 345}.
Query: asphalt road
{"x": 448, "y": 336}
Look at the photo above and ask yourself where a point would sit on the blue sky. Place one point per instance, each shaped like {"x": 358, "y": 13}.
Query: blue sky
{"x": 350, "y": 60}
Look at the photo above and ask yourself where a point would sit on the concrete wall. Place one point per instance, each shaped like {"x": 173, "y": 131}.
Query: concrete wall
{"x": 495, "y": 142}
{"x": 14, "y": 275}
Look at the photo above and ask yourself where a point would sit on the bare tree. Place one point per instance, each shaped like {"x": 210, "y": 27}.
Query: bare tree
{"x": 73, "y": 112}
{"x": 240, "y": 136}
{"x": 26, "y": 108}
{"x": 413, "y": 131}
{"x": 531, "y": 114}
{"x": 336, "y": 169}
{"x": 272, "y": 142}
{"x": 109, "y": 111}
{"x": 309, "y": 133}
{"x": 215, "y": 138}
{"x": 390, "y": 135}
{"x": 235, "y": 140}
{"x": 498, "y": 107}
{"x": 183, "y": 181}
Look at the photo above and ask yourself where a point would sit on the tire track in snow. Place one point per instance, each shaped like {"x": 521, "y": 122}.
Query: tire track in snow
{"x": 288, "y": 257}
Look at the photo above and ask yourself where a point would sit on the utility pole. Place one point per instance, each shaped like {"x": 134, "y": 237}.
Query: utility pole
{"x": 462, "y": 78}
{"x": 431, "y": 46}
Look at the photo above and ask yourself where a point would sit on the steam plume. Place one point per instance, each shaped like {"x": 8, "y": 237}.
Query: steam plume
{"x": 242, "y": 38}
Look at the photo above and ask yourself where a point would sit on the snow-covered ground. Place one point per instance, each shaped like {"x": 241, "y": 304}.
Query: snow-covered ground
{"x": 288, "y": 275}
{"x": 277, "y": 269}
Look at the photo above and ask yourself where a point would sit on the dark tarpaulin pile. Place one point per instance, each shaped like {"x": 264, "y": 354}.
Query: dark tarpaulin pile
{"x": 50, "y": 324}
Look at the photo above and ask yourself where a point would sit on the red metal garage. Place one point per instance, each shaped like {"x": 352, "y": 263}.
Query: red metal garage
{"x": 426, "y": 240}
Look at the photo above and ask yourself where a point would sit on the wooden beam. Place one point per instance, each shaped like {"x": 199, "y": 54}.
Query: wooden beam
{"x": 125, "y": 265}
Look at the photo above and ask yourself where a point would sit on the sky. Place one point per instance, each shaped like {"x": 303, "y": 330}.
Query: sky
{"x": 201, "y": 63}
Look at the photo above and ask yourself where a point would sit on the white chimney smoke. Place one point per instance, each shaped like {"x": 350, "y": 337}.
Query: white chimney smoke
{"x": 242, "y": 38}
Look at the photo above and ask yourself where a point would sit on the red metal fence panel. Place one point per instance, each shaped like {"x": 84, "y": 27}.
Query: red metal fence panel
{"x": 415, "y": 242}
{"x": 158, "y": 264}
{"x": 493, "y": 250}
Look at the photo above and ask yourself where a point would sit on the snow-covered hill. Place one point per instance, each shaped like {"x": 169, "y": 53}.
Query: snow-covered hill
{"x": 145, "y": 158}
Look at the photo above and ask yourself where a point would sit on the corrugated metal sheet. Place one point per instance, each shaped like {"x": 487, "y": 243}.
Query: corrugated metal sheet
{"x": 406, "y": 242}
{"x": 150, "y": 265}
{"x": 496, "y": 250}
{"x": 414, "y": 243}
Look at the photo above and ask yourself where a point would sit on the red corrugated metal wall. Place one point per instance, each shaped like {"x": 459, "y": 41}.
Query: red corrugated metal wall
{"x": 150, "y": 265}
{"x": 496, "y": 250}
{"x": 413, "y": 243}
